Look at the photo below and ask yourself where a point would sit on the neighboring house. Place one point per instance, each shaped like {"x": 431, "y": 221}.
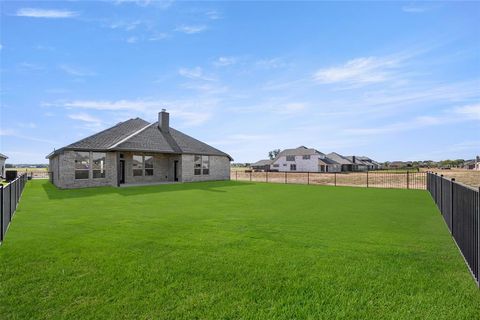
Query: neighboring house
{"x": 371, "y": 164}
{"x": 345, "y": 163}
{"x": 2, "y": 165}
{"x": 472, "y": 164}
{"x": 303, "y": 159}
{"x": 135, "y": 152}
{"x": 262, "y": 165}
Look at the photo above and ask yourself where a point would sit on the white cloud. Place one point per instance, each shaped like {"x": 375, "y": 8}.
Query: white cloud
{"x": 45, "y": 13}
{"x": 469, "y": 111}
{"x": 194, "y": 73}
{"x": 125, "y": 25}
{"x": 213, "y": 15}
{"x": 158, "y": 36}
{"x": 76, "y": 71}
{"x": 85, "y": 117}
{"x": 225, "y": 61}
{"x": 191, "y": 112}
{"x": 161, "y": 4}
{"x": 272, "y": 63}
{"x": 132, "y": 40}
{"x": 292, "y": 108}
{"x": 359, "y": 71}
{"x": 191, "y": 29}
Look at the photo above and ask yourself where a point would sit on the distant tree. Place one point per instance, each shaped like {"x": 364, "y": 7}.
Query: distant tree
{"x": 272, "y": 154}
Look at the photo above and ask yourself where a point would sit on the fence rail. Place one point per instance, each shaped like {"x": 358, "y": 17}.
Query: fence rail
{"x": 9, "y": 198}
{"x": 369, "y": 179}
{"x": 460, "y": 208}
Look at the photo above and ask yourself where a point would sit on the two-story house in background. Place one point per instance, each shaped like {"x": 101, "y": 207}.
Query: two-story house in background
{"x": 303, "y": 159}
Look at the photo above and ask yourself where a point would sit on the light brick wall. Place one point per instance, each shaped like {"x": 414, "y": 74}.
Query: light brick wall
{"x": 219, "y": 169}
{"x": 162, "y": 168}
{"x": 65, "y": 168}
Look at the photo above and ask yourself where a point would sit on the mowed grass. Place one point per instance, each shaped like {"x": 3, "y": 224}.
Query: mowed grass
{"x": 231, "y": 250}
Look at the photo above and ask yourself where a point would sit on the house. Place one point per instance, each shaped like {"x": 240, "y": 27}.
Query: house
{"x": 303, "y": 159}
{"x": 137, "y": 152}
{"x": 345, "y": 163}
{"x": 262, "y": 165}
{"x": 2, "y": 165}
{"x": 472, "y": 164}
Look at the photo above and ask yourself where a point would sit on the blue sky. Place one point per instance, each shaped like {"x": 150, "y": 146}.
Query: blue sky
{"x": 391, "y": 80}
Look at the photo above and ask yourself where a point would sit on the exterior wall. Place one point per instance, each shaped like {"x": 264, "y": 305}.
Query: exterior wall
{"x": 2, "y": 167}
{"x": 63, "y": 167}
{"x": 303, "y": 165}
{"x": 162, "y": 168}
{"x": 219, "y": 169}
{"x": 334, "y": 168}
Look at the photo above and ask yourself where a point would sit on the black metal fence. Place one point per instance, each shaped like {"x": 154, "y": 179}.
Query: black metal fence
{"x": 9, "y": 198}
{"x": 460, "y": 208}
{"x": 368, "y": 179}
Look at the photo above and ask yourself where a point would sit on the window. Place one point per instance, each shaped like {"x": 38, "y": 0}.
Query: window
{"x": 137, "y": 165}
{"x": 306, "y": 157}
{"x": 197, "y": 165}
{"x": 205, "y": 165}
{"x": 276, "y": 165}
{"x": 293, "y": 167}
{"x": 201, "y": 165}
{"x": 82, "y": 165}
{"x": 290, "y": 158}
{"x": 148, "y": 165}
{"x": 98, "y": 164}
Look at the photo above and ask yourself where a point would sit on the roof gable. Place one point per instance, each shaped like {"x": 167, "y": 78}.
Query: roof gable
{"x": 108, "y": 137}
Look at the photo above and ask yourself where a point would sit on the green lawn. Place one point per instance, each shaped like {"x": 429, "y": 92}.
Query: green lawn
{"x": 231, "y": 250}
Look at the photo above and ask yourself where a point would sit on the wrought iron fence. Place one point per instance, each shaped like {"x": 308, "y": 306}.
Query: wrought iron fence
{"x": 9, "y": 198}
{"x": 369, "y": 179}
{"x": 460, "y": 208}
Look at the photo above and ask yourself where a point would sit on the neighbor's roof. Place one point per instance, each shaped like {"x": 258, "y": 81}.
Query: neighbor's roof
{"x": 3, "y": 156}
{"x": 300, "y": 151}
{"x": 338, "y": 158}
{"x": 140, "y": 135}
{"x": 261, "y": 163}
{"x": 327, "y": 161}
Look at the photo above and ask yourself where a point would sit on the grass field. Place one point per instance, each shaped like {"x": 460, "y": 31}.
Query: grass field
{"x": 231, "y": 250}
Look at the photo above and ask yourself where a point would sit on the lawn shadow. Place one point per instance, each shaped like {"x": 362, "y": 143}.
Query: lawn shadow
{"x": 211, "y": 186}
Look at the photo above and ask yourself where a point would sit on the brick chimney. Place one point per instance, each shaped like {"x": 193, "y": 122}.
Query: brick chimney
{"x": 164, "y": 121}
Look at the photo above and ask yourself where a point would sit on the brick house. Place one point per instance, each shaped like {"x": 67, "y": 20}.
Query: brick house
{"x": 137, "y": 152}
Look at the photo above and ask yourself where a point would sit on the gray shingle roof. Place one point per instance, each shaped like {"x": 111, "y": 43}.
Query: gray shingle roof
{"x": 262, "y": 163}
{"x": 327, "y": 161}
{"x": 3, "y": 156}
{"x": 338, "y": 158}
{"x": 300, "y": 151}
{"x": 110, "y": 136}
{"x": 139, "y": 135}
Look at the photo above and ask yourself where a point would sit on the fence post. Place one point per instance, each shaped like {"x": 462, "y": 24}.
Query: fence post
{"x": 441, "y": 193}
{"x": 408, "y": 179}
{"x": 1, "y": 212}
{"x": 266, "y": 176}
{"x": 236, "y": 175}
{"x": 452, "y": 182}
{"x": 308, "y": 177}
{"x": 367, "y": 178}
{"x": 285, "y": 177}
{"x": 335, "y": 179}
{"x": 250, "y": 176}
{"x": 478, "y": 237}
